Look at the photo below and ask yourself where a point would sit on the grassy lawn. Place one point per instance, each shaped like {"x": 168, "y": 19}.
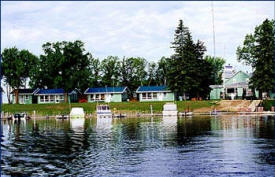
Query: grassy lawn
{"x": 64, "y": 108}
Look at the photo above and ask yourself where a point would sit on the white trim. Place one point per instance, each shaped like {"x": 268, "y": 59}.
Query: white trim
{"x": 165, "y": 91}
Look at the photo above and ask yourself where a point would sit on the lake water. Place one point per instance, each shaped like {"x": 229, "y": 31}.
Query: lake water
{"x": 198, "y": 146}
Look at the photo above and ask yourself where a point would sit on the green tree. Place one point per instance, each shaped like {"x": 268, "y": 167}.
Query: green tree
{"x": 16, "y": 67}
{"x": 152, "y": 74}
{"x": 217, "y": 64}
{"x": 63, "y": 65}
{"x": 258, "y": 51}
{"x": 133, "y": 73}
{"x": 187, "y": 70}
{"x": 95, "y": 78}
{"x": 110, "y": 71}
{"x": 162, "y": 70}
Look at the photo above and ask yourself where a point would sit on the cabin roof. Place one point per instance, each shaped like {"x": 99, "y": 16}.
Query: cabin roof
{"x": 24, "y": 91}
{"x": 50, "y": 92}
{"x": 152, "y": 89}
{"x": 105, "y": 90}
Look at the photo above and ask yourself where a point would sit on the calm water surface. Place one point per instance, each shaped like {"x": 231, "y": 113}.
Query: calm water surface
{"x": 198, "y": 146}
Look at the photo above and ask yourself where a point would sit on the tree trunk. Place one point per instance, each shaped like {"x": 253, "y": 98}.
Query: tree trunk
{"x": 8, "y": 93}
{"x": 66, "y": 97}
{"x": 16, "y": 96}
{"x": 260, "y": 94}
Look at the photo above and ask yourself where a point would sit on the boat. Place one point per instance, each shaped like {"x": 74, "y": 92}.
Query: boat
{"x": 170, "y": 109}
{"x": 62, "y": 116}
{"x": 187, "y": 114}
{"x": 103, "y": 111}
{"x": 77, "y": 112}
{"x": 21, "y": 115}
{"x": 119, "y": 115}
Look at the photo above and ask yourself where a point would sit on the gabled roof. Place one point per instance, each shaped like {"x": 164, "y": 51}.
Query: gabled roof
{"x": 105, "y": 90}
{"x": 75, "y": 91}
{"x": 50, "y": 92}
{"x": 24, "y": 91}
{"x": 246, "y": 74}
{"x": 152, "y": 89}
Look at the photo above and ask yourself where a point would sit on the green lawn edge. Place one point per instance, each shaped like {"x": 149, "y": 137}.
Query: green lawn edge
{"x": 64, "y": 108}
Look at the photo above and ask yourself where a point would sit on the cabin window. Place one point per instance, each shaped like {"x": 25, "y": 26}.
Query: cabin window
{"x": 42, "y": 99}
{"x": 97, "y": 96}
{"x": 143, "y": 95}
{"x": 149, "y": 95}
{"x": 61, "y": 97}
{"x": 52, "y": 98}
{"x": 231, "y": 90}
{"x": 155, "y": 95}
{"x": 27, "y": 97}
{"x": 102, "y": 96}
{"x": 46, "y": 98}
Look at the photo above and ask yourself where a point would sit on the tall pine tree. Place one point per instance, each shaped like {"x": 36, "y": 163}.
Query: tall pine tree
{"x": 188, "y": 70}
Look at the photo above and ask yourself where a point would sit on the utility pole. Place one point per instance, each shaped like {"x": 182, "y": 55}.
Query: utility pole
{"x": 213, "y": 25}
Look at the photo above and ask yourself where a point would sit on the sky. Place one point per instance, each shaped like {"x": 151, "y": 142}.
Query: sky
{"x": 144, "y": 29}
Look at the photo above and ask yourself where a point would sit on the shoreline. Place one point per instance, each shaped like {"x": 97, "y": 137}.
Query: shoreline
{"x": 146, "y": 115}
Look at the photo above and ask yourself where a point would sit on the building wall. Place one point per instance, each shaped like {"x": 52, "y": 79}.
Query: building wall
{"x": 116, "y": 97}
{"x": 239, "y": 77}
{"x": 215, "y": 93}
{"x": 160, "y": 97}
{"x": 22, "y": 99}
{"x": 239, "y": 92}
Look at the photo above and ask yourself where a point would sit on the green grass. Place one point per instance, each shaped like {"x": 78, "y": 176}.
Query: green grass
{"x": 267, "y": 104}
{"x": 64, "y": 108}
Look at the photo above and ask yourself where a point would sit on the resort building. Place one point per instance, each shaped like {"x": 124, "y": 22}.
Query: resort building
{"x": 155, "y": 93}
{"x": 235, "y": 86}
{"x": 107, "y": 94}
{"x": 49, "y": 96}
{"x": 25, "y": 96}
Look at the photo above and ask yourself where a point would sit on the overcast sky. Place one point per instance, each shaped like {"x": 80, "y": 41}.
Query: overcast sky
{"x": 142, "y": 29}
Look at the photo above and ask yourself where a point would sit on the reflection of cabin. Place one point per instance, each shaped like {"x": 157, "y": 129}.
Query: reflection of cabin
{"x": 107, "y": 94}
{"x": 50, "y": 96}
{"x": 235, "y": 86}
{"x": 155, "y": 93}
{"x": 25, "y": 96}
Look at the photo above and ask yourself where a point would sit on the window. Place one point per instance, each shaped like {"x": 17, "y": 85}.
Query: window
{"x": 96, "y": 96}
{"x": 230, "y": 90}
{"x": 42, "y": 99}
{"x": 27, "y": 97}
{"x": 46, "y": 98}
{"x": 52, "y": 98}
{"x": 102, "y": 97}
{"x": 155, "y": 95}
{"x": 164, "y": 94}
{"x": 143, "y": 95}
{"x": 149, "y": 95}
{"x": 61, "y": 97}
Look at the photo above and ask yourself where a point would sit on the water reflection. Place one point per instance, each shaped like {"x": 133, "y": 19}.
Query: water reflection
{"x": 167, "y": 146}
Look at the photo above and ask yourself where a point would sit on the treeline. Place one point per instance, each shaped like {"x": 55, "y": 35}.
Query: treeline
{"x": 68, "y": 65}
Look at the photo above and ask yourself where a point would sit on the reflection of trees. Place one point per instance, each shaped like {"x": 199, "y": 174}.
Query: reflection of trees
{"x": 189, "y": 128}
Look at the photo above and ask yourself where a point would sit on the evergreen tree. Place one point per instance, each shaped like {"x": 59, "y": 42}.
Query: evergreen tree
{"x": 187, "y": 70}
